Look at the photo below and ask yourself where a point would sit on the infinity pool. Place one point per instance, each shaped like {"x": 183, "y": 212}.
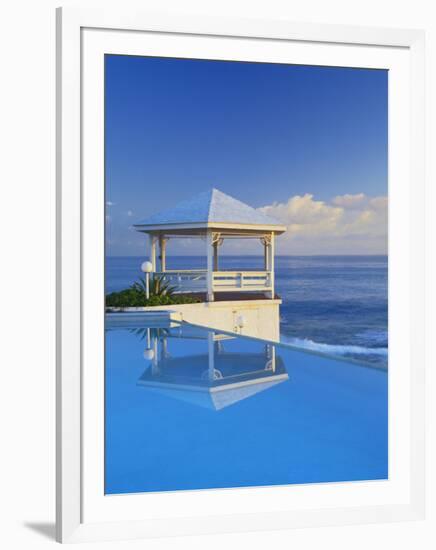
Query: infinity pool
{"x": 189, "y": 408}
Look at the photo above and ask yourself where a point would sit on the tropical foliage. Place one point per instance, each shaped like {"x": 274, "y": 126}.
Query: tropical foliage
{"x": 161, "y": 294}
{"x": 158, "y": 287}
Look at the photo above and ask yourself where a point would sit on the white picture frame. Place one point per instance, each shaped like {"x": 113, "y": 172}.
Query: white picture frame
{"x": 83, "y": 36}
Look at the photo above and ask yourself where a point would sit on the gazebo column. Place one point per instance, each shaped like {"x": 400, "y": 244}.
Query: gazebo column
{"x": 163, "y": 253}
{"x": 265, "y": 254}
{"x": 209, "y": 252}
{"x": 153, "y": 242}
{"x": 215, "y": 256}
{"x": 217, "y": 241}
{"x": 271, "y": 264}
{"x": 268, "y": 243}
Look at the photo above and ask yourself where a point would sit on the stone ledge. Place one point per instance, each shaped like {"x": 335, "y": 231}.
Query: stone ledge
{"x": 177, "y": 307}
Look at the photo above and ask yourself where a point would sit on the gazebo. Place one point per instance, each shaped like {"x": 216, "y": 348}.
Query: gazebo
{"x": 213, "y": 216}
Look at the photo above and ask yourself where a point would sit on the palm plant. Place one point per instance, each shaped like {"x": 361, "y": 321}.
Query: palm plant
{"x": 158, "y": 287}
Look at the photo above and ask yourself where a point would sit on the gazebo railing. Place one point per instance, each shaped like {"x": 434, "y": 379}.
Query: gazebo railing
{"x": 241, "y": 280}
{"x": 184, "y": 280}
{"x": 223, "y": 281}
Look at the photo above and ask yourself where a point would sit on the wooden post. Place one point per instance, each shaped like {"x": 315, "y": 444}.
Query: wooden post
{"x": 209, "y": 252}
{"x": 265, "y": 255}
{"x": 162, "y": 249}
{"x": 215, "y": 256}
{"x": 153, "y": 240}
{"x": 271, "y": 264}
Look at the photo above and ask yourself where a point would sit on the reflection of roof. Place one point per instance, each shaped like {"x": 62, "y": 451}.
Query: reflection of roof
{"x": 215, "y": 398}
{"x": 207, "y": 209}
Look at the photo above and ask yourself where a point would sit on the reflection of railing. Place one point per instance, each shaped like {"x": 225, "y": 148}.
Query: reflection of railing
{"x": 223, "y": 281}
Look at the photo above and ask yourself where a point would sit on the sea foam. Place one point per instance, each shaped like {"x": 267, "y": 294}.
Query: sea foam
{"x": 332, "y": 349}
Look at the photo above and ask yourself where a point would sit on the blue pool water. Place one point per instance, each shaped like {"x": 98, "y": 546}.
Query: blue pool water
{"x": 333, "y": 304}
{"x": 188, "y": 408}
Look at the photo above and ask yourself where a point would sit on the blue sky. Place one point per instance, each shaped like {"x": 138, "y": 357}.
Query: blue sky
{"x": 306, "y": 144}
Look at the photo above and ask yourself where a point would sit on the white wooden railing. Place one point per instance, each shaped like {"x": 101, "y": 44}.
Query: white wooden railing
{"x": 192, "y": 280}
{"x": 241, "y": 280}
{"x": 195, "y": 280}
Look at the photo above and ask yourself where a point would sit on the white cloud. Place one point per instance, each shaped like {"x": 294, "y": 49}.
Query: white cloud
{"x": 348, "y": 224}
{"x": 304, "y": 214}
{"x": 110, "y": 203}
{"x": 349, "y": 201}
{"x": 379, "y": 203}
{"x": 130, "y": 213}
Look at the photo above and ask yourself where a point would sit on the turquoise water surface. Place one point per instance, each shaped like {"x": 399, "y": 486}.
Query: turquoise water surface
{"x": 187, "y": 408}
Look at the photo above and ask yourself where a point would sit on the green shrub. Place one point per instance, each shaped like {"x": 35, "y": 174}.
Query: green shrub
{"x": 160, "y": 295}
{"x": 124, "y": 298}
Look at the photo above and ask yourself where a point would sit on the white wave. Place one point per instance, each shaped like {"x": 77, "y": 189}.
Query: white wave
{"x": 332, "y": 349}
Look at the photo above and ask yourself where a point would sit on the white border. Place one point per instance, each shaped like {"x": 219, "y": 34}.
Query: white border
{"x": 80, "y": 514}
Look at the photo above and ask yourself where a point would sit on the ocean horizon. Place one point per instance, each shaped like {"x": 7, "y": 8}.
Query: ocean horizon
{"x": 332, "y": 304}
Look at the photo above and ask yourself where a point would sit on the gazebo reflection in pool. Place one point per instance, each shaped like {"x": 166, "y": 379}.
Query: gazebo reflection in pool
{"x": 217, "y": 375}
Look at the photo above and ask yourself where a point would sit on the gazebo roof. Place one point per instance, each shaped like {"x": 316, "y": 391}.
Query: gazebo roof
{"x": 210, "y": 209}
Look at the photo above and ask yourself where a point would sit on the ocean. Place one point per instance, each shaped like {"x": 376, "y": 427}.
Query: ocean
{"x": 335, "y": 305}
